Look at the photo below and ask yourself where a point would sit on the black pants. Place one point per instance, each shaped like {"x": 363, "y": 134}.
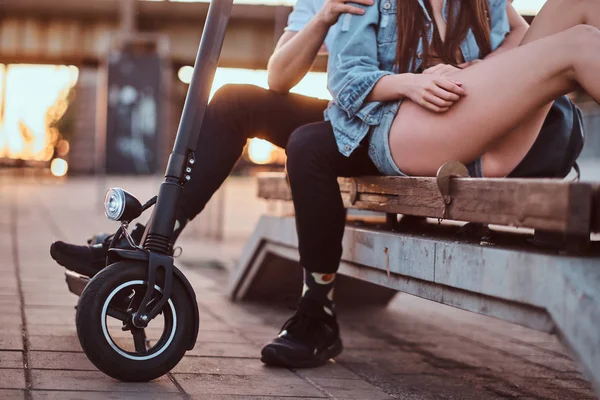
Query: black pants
{"x": 314, "y": 164}
{"x": 236, "y": 113}
{"x": 239, "y": 112}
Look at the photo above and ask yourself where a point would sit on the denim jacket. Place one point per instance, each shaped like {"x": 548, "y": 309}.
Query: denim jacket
{"x": 364, "y": 51}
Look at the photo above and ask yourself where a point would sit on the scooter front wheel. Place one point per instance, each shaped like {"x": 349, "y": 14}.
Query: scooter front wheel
{"x": 110, "y": 339}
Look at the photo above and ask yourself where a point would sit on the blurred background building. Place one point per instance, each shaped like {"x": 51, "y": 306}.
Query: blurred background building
{"x": 97, "y": 87}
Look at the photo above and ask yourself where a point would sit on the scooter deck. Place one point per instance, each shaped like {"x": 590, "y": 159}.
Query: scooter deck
{"x": 76, "y": 282}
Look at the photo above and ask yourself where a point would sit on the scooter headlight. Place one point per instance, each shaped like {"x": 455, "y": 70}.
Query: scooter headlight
{"x": 120, "y": 205}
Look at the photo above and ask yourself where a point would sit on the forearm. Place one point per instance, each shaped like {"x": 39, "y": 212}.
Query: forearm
{"x": 391, "y": 88}
{"x": 292, "y": 60}
{"x": 518, "y": 29}
{"x": 512, "y": 40}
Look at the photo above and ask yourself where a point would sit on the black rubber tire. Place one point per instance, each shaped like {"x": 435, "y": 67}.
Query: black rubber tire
{"x": 96, "y": 346}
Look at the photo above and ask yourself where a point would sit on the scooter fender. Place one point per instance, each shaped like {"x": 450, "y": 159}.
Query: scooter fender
{"x": 115, "y": 255}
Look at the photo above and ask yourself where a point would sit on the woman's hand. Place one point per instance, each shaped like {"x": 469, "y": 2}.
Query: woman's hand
{"x": 442, "y": 70}
{"x": 469, "y": 63}
{"x": 435, "y": 93}
{"x": 332, "y": 9}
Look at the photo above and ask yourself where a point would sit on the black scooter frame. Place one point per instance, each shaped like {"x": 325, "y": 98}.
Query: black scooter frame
{"x": 156, "y": 241}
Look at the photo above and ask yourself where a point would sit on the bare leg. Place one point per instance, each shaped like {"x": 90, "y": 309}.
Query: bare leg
{"x": 501, "y": 92}
{"x": 556, "y": 16}
{"x": 559, "y": 15}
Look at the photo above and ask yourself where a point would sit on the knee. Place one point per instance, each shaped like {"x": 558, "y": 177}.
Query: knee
{"x": 298, "y": 148}
{"x": 575, "y": 44}
{"x": 581, "y": 37}
{"x": 236, "y": 95}
{"x": 305, "y": 151}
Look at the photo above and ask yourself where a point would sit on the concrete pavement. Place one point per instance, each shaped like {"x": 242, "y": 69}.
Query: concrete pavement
{"x": 412, "y": 350}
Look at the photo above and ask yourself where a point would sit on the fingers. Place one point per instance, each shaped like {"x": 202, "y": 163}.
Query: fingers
{"x": 432, "y": 70}
{"x": 441, "y": 69}
{"x": 437, "y": 100}
{"x": 443, "y": 94}
{"x": 469, "y": 63}
{"x": 363, "y": 2}
{"x": 345, "y": 8}
{"x": 450, "y": 86}
{"x": 433, "y": 107}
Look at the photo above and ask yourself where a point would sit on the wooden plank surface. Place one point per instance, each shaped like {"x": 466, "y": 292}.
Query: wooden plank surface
{"x": 552, "y": 205}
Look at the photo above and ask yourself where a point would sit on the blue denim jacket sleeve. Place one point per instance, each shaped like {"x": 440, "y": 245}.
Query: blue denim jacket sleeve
{"x": 300, "y": 16}
{"x": 353, "y": 64}
{"x": 500, "y": 26}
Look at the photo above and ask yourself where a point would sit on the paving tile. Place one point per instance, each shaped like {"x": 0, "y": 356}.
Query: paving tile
{"x": 12, "y": 379}
{"x": 260, "y": 338}
{"x": 213, "y": 325}
{"x": 72, "y": 395}
{"x": 246, "y": 385}
{"x": 11, "y": 359}
{"x": 11, "y": 340}
{"x": 392, "y": 360}
{"x": 44, "y": 299}
{"x": 71, "y": 343}
{"x": 60, "y": 360}
{"x": 52, "y": 330}
{"x": 54, "y": 343}
{"x": 433, "y": 387}
{"x": 94, "y": 381}
{"x": 11, "y": 309}
{"x": 8, "y": 280}
{"x": 230, "y": 397}
{"x": 10, "y": 322}
{"x": 228, "y": 336}
{"x": 9, "y": 299}
{"x": 360, "y": 341}
{"x": 330, "y": 370}
{"x": 49, "y": 315}
{"x": 8, "y": 394}
{"x": 13, "y": 328}
{"x": 350, "y": 389}
{"x": 225, "y": 350}
{"x": 228, "y": 366}
{"x": 10, "y": 291}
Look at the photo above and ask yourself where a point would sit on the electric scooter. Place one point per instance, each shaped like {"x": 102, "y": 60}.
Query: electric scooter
{"x": 138, "y": 316}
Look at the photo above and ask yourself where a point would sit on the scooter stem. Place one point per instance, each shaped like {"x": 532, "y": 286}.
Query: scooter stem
{"x": 181, "y": 160}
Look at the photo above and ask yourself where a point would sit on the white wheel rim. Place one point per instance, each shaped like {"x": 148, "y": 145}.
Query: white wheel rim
{"x": 109, "y": 338}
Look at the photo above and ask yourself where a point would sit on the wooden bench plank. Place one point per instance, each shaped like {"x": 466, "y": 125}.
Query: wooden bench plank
{"x": 551, "y": 205}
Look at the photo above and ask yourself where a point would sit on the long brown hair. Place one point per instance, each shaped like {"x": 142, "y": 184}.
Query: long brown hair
{"x": 464, "y": 14}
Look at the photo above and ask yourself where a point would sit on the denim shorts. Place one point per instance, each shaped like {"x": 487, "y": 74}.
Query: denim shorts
{"x": 381, "y": 155}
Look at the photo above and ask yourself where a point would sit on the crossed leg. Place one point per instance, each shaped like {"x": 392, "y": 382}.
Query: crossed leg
{"x": 507, "y": 96}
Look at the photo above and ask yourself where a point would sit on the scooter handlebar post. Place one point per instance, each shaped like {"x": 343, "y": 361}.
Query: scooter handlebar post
{"x": 204, "y": 70}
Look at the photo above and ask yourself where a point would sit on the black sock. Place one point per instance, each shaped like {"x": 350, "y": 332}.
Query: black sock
{"x": 319, "y": 286}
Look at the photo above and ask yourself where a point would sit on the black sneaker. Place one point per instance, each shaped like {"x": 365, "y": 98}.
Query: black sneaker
{"x": 89, "y": 260}
{"x": 85, "y": 260}
{"x": 308, "y": 339}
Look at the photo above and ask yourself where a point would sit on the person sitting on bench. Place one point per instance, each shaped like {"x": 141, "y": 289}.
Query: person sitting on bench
{"x": 478, "y": 91}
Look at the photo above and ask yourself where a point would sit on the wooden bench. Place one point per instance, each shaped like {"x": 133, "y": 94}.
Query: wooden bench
{"x": 529, "y": 254}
